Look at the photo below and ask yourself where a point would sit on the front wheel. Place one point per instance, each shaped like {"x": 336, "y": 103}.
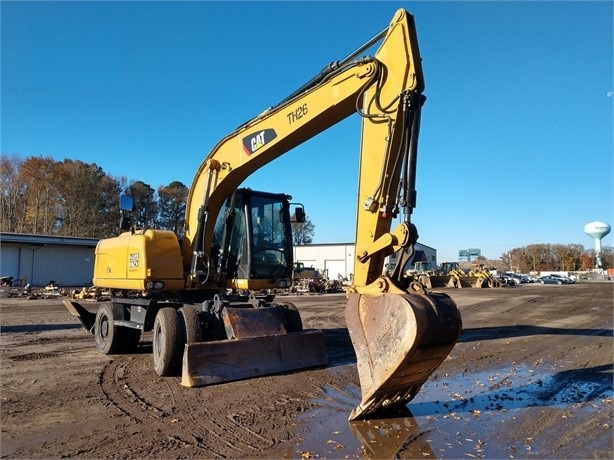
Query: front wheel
{"x": 292, "y": 317}
{"x": 189, "y": 322}
{"x": 167, "y": 343}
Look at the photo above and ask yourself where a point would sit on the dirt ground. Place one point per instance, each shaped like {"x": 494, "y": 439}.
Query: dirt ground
{"x": 530, "y": 377}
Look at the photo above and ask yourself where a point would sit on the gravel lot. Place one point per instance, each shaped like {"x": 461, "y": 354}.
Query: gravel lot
{"x": 530, "y": 377}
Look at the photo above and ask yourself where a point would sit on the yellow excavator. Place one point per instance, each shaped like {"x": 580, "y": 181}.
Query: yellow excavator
{"x": 198, "y": 294}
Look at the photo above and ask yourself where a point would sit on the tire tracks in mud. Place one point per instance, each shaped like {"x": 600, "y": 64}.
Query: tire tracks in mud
{"x": 152, "y": 402}
{"x": 231, "y": 420}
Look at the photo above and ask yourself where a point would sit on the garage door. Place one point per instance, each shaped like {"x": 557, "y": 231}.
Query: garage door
{"x": 335, "y": 268}
{"x": 9, "y": 263}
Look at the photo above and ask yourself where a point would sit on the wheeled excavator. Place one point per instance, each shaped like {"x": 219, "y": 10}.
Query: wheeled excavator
{"x": 198, "y": 294}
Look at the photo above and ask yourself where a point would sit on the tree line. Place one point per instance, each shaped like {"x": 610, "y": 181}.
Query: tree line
{"x": 559, "y": 257}
{"x": 71, "y": 198}
{"x": 547, "y": 257}
{"x": 43, "y": 196}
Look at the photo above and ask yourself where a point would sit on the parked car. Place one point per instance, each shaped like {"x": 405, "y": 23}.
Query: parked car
{"x": 549, "y": 279}
{"x": 565, "y": 279}
{"x": 508, "y": 280}
{"x": 518, "y": 277}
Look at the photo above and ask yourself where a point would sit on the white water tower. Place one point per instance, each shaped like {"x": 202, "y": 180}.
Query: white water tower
{"x": 597, "y": 230}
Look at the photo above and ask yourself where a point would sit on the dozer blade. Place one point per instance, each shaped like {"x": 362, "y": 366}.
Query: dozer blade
{"x": 399, "y": 340}
{"x": 206, "y": 363}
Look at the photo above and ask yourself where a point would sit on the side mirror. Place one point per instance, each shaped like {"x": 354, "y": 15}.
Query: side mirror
{"x": 299, "y": 214}
{"x": 126, "y": 203}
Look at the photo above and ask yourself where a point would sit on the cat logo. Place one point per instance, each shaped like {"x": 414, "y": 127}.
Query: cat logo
{"x": 256, "y": 141}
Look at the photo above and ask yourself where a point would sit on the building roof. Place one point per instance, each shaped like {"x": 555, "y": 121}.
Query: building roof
{"x": 25, "y": 238}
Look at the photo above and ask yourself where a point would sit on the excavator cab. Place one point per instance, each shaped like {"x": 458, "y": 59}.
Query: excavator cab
{"x": 252, "y": 240}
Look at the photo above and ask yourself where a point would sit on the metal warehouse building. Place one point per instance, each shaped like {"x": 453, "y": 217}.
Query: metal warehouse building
{"x": 336, "y": 260}
{"x": 38, "y": 259}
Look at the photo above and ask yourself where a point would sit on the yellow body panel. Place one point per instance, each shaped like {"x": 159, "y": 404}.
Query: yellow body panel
{"x": 129, "y": 261}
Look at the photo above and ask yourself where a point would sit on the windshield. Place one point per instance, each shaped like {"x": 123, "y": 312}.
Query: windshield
{"x": 264, "y": 217}
{"x": 270, "y": 237}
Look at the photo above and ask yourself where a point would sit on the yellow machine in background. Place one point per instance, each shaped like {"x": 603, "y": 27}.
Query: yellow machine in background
{"x": 239, "y": 240}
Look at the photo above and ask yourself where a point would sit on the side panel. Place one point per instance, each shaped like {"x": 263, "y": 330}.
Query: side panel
{"x": 110, "y": 265}
{"x": 129, "y": 261}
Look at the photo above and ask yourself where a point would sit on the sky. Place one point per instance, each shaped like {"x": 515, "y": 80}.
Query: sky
{"x": 516, "y": 140}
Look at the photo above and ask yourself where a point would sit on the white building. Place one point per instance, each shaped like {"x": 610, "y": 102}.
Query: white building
{"x": 336, "y": 260}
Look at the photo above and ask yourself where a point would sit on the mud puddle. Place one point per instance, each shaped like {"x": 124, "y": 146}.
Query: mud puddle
{"x": 455, "y": 416}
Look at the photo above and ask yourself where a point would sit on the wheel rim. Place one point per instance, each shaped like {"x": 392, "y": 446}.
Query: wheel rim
{"x": 157, "y": 342}
{"x": 103, "y": 329}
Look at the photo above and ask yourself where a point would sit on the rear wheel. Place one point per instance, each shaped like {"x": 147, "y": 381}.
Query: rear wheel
{"x": 167, "y": 343}
{"x": 107, "y": 335}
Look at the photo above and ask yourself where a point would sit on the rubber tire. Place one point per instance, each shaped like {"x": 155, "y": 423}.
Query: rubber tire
{"x": 107, "y": 335}
{"x": 189, "y": 322}
{"x": 292, "y": 318}
{"x": 167, "y": 343}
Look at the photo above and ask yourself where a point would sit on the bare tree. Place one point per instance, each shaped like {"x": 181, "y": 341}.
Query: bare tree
{"x": 40, "y": 175}
{"x": 13, "y": 195}
{"x": 302, "y": 232}
{"x": 146, "y": 207}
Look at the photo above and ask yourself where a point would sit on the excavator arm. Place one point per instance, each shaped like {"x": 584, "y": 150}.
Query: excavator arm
{"x": 400, "y": 333}
{"x": 386, "y": 91}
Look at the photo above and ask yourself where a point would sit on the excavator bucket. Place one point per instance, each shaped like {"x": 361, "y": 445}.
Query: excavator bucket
{"x": 479, "y": 282}
{"x": 399, "y": 339}
{"x": 258, "y": 344}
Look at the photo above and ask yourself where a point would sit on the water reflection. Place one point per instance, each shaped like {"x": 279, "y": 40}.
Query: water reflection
{"x": 384, "y": 438}
{"x": 455, "y": 415}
